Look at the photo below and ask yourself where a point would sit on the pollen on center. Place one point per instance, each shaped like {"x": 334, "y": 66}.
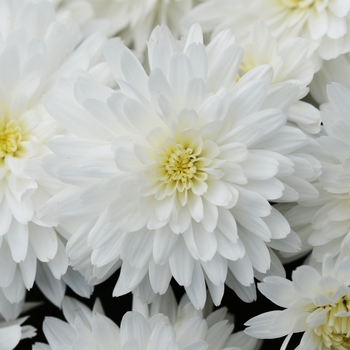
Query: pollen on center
{"x": 335, "y": 333}
{"x": 10, "y": 138}
{"x": 181, "y": 166}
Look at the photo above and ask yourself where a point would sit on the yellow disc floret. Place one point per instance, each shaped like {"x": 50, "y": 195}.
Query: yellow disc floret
{"x": 335, "y": 332}
{"x": 180, "y": 165}
{"x": 10, "y": 138}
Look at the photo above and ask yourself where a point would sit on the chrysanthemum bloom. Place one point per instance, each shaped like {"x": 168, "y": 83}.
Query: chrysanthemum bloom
{"x": 162, "y": 326}
{"x": 324, "y": 24}
{"x": 290, "y": 64}
{"x": 35, "y": 50}
{"x": 184, "y": 163}
{"x": 317, "y": 304}
{"x": 323, "y": 223}
{"x": 11, "y": 331}
{"x": 132, "y": 20}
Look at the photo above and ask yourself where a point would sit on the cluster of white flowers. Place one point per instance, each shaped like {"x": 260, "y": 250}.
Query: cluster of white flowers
{"x": 163, "y": 325}
{"x": 175, "y": 139}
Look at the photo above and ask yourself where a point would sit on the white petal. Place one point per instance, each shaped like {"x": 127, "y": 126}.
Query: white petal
{"x": 242, "y": 269}
{"x": 124, "y": 65}
{"x": 28, "y": 268}
{"x": 105, "y": 331}
{"x": 73, "y": 308}
{"x": 224, "y": 70}
{"x": 279, "y": 290}
{"x": 160, "y": 276}
{"x": 43, "y": 241}
{"x": 137, "y": 248}
{"x": 6, "y": 217}
{"x": 205, "y": 242}
{"x": 256, "y": 250}
{"x": 215, "y": 269}
{"x": 217, "y": 193}
{"x": 193, "y": 325}
{"x": 51, "y": 287}
{"x": 58, "y": 332}
{"x": 161, "y": 334}
{"x": 134, "y": 325}
{"x": 7, "y": 265}
{"x": 10, "y": 337}
{"x": 181, "y": 263}
{"x": 163, "y": 244}
{"x": 305, "y": 281}
{"x": 17, "y": 238}
{"x": 129, "y": 279}
{"x": 16, "y": 291}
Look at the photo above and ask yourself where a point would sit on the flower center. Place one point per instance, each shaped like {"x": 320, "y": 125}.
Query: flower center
{"x": 180, "y": 165}
{"x": 335, "y": 332}
{"x": 10, "y": 138}
{"x": 298, "y": 3}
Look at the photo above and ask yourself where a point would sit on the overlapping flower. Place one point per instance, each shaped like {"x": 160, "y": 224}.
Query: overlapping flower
{"x": 323, "y": 223}
{"x": 317, "y": 304}
{"x": 323, "y": 23}
{"x": 33, "y": 55}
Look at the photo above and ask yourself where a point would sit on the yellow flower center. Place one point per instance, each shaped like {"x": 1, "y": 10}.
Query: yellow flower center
{"x": 10, "y": 138}
{"x": 335, "y": 333}
{"x": 298, "y": 3}
{"x": 180, "y": 165}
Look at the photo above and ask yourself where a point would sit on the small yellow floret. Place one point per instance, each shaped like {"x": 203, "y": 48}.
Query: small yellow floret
{"x": 10, "y": 138}
{"x": 335, "y": 333}
{"x": 180, "y": 165}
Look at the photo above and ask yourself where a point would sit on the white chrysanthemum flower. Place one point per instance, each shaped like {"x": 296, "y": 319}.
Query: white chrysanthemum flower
{"x": 317, "y": 304}
{"x": 337, "y": 70}
{"x": 324, "y": 24}
{"x": 162, "y": 326}
{"x": 35, "y": 50}
{"x": 323, "y": 223}
{"x": 288, "y": 58}
{"x": 11, "y": 329}
{"x": 289, "y": 62}
{"x": 132, "y": 20}
{"x": 181, "y": 165}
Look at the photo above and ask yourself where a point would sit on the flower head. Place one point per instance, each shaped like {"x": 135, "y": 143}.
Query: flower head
{"x": 290, "y": 64}
{"x": 323, "y": 223}
{"x": 181, "y": 165}
{"x": 323, "y": 23}
{"x": 35, "y": 51}
{"x": 317, "y": 304}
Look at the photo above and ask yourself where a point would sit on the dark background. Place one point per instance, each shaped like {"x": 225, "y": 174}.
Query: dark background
{"x": 115, "y": 308}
